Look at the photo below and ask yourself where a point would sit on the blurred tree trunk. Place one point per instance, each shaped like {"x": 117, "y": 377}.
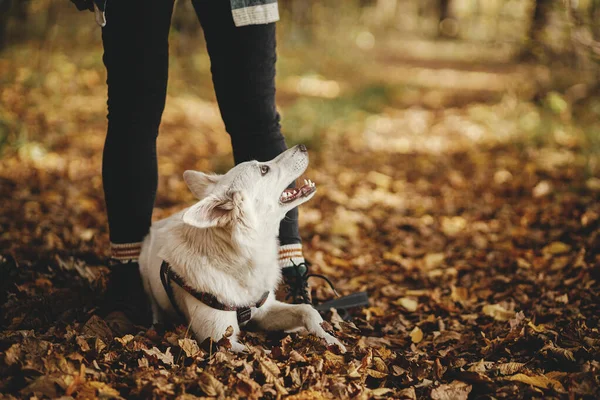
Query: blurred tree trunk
{"x": 444, "y": 10}
{"x": 534, "y": 47}
{"x": 11, "y": 9}
{"x": 539, "y": 18}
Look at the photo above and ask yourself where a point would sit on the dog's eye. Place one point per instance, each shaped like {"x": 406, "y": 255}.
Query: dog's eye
{"x": 264, "y": 169}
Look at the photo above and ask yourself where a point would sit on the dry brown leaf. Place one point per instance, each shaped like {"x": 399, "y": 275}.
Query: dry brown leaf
{"x": 189, "y": 346}
{"x": 210, "y": 385}
{"x": 247, "y": 387}
{"x": 104, "y": 390}
{"x": 456, "y": 390}
{"x": 407, "y": 394}
{"x": 510, "y": 368}
{"x": 333, "y": 358}
{"x": 297, "y": 357}
{"x": 445, "y": 336}
{"x": 228, "y": 332}
{"x": 12, "y": 354}
{"x": 376, "y": 374}
{"x": 558, "y": 352}
{"x": 381, "y": 392}
{"x": 271, "y": 372}
{"x": 124, "y": 340}
{"x": 166, "y": 357}
{"x": 481, "y": 366}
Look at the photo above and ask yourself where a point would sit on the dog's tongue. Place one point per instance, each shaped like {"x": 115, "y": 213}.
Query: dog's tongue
{"x": 289, "y": 195}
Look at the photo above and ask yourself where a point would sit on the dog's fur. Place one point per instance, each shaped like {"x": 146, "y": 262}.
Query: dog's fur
{"x": 226, "y": 244}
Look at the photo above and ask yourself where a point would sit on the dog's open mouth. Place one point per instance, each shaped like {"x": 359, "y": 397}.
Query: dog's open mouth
{"x": 290, "y": 195}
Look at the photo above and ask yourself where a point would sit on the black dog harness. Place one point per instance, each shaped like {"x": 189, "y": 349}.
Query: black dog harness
{"x": 167, "y": 275}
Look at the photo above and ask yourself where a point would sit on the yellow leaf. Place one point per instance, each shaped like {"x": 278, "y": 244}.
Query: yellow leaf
{"x": 540, "y": 381}
{"x": 498, "y": 312}
{"x": 416, "y": 335}
{"x": 451, "y": 226}
{"x": 433, "y": 260}
{"x": 407, "y": 303}
{"x": 556, "y": 248}
{"x": 537, "y": 328}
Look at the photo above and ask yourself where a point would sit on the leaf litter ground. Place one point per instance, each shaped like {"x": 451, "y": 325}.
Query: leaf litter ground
{"x": 478, "y": 249}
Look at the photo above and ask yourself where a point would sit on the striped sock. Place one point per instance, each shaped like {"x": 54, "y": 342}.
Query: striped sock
{"x": 125, "y": 252}
{"x": 290, "y": 254}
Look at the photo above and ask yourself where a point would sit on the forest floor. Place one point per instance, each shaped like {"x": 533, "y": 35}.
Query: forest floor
{"x": 474, "y": 229}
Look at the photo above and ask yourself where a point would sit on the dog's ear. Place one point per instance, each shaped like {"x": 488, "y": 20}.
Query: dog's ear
{"x": 200, "y": 183}
{"x": 214, "y": 211}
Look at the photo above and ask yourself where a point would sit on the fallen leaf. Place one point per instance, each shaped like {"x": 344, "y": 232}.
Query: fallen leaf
{"x": 166, "y": 357}
{"x": 210, "y": 385}
{"x": 408, "y": 304}
{"x": 189, "y": 346}
{"x": 510, "y": 368}
{"x": 452, "y": 226}
{"x": 104, "y": 390}
{"x": 407, "y": 394}
{"x": 555, "y": 248}
{"x": 550, "y": 349}
{"x": 380, "y": 391}
{"x": 498, "y": 312}
{"x": 124, "y": 340}
{"x": 271, "y": 373}
{"x": 542, "y": 189}
{"x": 456, "y": 390}
{"x": 416, "y": 335}
{"x": 540, "y": 381}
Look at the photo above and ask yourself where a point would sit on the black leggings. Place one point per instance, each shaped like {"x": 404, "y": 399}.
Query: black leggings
{"x": 136, "y": 53}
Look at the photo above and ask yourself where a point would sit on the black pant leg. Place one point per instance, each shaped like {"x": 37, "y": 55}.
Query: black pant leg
{"x": 243, "y": 72}
{"x": 136, "y": 55}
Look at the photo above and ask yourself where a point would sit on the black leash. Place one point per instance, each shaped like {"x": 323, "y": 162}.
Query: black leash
{"x": 244, "y": 313}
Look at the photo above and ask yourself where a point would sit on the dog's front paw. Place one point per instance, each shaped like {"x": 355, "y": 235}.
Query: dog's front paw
{"x": 237, "y": 347}
{"x": 334, "y": 341}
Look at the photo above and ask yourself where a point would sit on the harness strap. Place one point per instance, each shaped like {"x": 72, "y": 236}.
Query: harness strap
{"x": 167, "y": 275}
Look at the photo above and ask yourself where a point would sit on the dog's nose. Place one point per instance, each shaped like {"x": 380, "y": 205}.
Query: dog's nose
{"x": 302, "y": 148}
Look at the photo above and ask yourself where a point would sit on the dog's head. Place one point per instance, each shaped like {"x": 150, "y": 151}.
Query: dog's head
{"x": 251, "y": 191}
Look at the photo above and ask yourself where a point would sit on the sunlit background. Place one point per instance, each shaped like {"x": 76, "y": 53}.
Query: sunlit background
{"x": 379, "y": 78}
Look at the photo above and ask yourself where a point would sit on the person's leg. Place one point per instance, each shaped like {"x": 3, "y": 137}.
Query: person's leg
{"x": 243, "y": 72}
{"x": 135, "y": 42}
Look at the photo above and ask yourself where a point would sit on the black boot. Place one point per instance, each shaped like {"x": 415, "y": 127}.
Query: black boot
{"x": 298, "y": 292}
{"x": 126, "y": 303}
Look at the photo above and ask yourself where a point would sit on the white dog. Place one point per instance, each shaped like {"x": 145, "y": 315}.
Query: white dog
{"x": 218, "y": 258}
